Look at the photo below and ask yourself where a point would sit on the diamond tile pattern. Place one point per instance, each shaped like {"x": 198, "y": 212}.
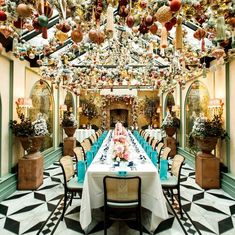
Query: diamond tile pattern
{"x": 39, "y": 212}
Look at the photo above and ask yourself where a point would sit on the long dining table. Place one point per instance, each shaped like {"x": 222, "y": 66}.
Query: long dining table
{"x": 152, "y": 197}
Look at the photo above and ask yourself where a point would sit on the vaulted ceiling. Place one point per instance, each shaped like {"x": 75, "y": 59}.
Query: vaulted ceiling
{"x": 82, "y": 44}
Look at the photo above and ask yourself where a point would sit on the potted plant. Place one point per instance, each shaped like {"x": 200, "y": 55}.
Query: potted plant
{"x": 206, "y": 133}
{"x": 69, "y": 124}
{"x": 31, "y": 134}
{"x": 170, "y": 124}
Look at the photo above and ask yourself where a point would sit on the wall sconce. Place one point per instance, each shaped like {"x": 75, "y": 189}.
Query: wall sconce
{"x": 176, "y": 109}
{"x": 23, "y": 105}
{"x": 215, "y": 106}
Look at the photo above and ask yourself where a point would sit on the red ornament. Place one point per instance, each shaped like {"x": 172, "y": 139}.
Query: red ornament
{"x": 153, "y": 28}
{"x": 175, "y": 5}
{"x": 130, "y": 20}
{"x": 168, "y": 26}
{"x": 149, "y": 20}
{"x": 3, "y": 16}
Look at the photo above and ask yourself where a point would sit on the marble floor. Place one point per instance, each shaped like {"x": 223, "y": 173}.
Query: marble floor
{"x": 38, "y": 212}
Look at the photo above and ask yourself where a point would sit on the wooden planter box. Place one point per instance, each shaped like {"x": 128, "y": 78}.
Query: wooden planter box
{"x": 207, "y": 171}
{"x": 30, "y": 172}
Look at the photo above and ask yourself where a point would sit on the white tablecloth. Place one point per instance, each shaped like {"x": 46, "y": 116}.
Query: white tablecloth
{"x": 82, "y": 134}
{"x": 151, "y": 191}
{"x": 156, "y": 133}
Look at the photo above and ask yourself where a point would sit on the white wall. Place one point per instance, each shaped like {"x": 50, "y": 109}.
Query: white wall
{"x": 4, "y": 92}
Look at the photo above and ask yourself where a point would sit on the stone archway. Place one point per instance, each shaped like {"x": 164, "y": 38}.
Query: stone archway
{"x": 120, "y": 108}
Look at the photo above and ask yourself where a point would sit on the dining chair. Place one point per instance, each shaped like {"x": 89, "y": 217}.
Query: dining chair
{"x": 122, "y": 200}
{"x": 173, "y": 180}
{"x": 79, "y": 154}
{"x": 154, "y": 143}
{"x": 86, "y": 145}
{"x": 159, "y": 150}
{"x": 150, "y": 140}
{"x": 71, "y": 184}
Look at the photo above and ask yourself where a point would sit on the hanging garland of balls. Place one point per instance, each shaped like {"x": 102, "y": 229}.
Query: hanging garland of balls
{"x": 107, "y": 100}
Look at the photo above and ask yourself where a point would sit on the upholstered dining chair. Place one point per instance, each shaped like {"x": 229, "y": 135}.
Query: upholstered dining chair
{"x": 122, "y": 200}
{"x": 159, "y": 151}
{"x": 86, "y": 145}
{"x": 71, "y": 184}
{"x": 150, "y": 140}
{"x": 79, "y": 154}
{"x": 173, "y": 180}
{"x": 154, "y": 143}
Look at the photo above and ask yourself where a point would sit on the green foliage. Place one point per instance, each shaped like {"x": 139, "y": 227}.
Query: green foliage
{"x": 207, "y": 128}
{"x": 69, "y": 120}
{"x": 170, "y": 121}
{"x": 22, "y": 129}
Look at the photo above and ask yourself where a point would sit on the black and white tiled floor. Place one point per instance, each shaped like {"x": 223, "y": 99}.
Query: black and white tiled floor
{"x": 38, "y": 212}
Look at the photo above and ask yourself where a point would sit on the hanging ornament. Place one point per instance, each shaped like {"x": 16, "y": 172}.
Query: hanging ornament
{"x": 220, "y": 28}
{"x": 3, "y": 16}
{"x": 77, "y": 35}
{"x": 110, "y": 20}
{"x": 200, "y": 34}
{"x": 175, "y": 5}
{"x": 24, "y": 10}
{"x": 163, "y": 15}
{"x": 164, "y": 35}
{"x": 179, "y": 35}
{"x": 130, "y": 21}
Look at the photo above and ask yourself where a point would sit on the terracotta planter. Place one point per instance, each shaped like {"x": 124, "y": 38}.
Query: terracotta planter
{"x": 206, "y": 144}
{"x": 70, "y": 130}
{"x": 170, "y": 131}
{"x": 31, "y": 144}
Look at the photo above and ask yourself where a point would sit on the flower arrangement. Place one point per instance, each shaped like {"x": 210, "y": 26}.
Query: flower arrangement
{"x": 208, "y": 128}
{"x": 69, "y": 120}
{"x": 204, "y": 128}
{"x": 27, "y": 128}
{"x": 170, "y": 121}
{"x": 120, "y": 152}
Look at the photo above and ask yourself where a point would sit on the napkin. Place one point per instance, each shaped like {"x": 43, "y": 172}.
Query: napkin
{"x": 163, "y": 169}
{"x": 81, "y": 171}
{"x": 89, "y": 158}
{"x": 154, "y": 156}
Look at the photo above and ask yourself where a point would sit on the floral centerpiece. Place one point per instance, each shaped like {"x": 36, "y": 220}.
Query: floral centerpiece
{"x": 170, "y": 124}
{"x": 31, "y": 134}
{"x": 69, "y": 120}
{"x": 120, "y": 152}
{"x": 206, "y": 133}
{"x": 69, "y": 123}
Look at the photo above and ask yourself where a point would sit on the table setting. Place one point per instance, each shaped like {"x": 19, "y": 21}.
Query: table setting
{"x": 122, "y": 155}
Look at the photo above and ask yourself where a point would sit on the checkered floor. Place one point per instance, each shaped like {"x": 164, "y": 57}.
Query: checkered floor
{"x": 38, "y": 212}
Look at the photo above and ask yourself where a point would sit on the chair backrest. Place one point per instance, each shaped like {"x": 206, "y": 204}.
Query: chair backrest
{"x": 122, "y": 189}
{"x": 166, "y": 152}
{"x": 150, "y": 140}
{"x": 66, "y": 162}
{"x": 86, "y": 145}
{"x": 154, "y": 143}
{"x": 176, "y": 166}
{"x": 92, "y": 139}
{"x": 146, "y": 135}
{"x": 79, "y": 154}
{"x": 159, "y": 148}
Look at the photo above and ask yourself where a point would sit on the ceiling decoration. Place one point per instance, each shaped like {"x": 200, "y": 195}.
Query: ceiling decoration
{"x": 96, "y": 44}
